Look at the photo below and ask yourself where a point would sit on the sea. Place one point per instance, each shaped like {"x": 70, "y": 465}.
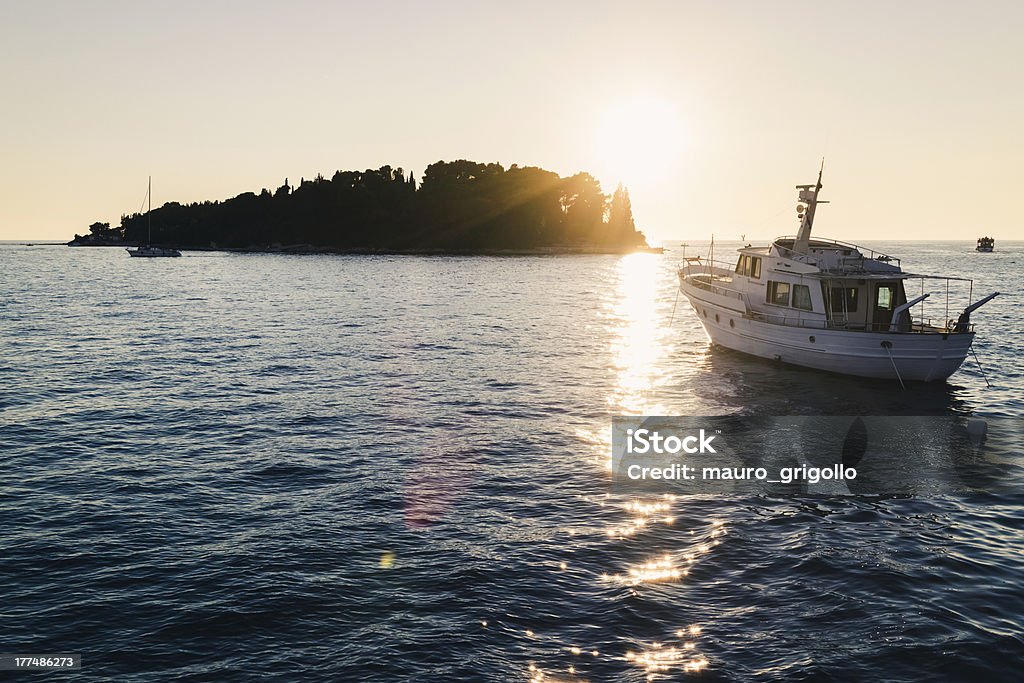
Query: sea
{"x": 238, "y": 466}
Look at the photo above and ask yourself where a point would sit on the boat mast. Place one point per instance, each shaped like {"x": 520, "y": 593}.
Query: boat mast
{"x": 805, "y": 211}
{"x": 149, "y": 211}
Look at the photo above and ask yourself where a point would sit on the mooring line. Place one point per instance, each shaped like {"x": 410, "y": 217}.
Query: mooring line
{"x": 888, "y": 349}
{"x": 984, "y": 376}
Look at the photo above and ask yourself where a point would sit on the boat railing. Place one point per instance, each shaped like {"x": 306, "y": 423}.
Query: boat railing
{"x": 705, "y": 278}
{"x": 917, "y": 326}
{"x": 695, "y": 265}
{"x": 708, "y": 284}
{"x": 704, "y": 261}
{"x": 787, "y": 320}
{"x": 865, "y": 252}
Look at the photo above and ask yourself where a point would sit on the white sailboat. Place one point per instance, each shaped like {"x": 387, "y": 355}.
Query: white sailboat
{"x": 148, "y": 250}
{"x": 826, "y": 304}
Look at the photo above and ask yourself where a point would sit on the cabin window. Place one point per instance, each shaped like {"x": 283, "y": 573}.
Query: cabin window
{"x": 749, "y": 265}
{"x": 802, "y": 297}
{"x": 886, "y": 296}
{"x": 743, "y": 265}
{"x": 778, "y": 293}
{"x": 843, "y": 300}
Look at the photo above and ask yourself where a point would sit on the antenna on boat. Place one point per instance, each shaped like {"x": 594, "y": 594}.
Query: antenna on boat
{"x": 809, "y": 201}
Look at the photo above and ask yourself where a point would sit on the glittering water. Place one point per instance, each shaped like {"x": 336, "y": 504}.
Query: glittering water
{"x": 378, "y": 468}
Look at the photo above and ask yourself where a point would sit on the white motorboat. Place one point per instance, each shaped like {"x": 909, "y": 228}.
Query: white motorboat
{"x": 148, "y": 250}
{"x": 826, "y": 304}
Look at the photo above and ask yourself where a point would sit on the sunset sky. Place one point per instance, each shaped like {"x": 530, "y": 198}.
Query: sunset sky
{"x": 710, "y": 112}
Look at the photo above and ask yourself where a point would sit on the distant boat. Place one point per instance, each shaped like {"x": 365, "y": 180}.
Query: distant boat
{"x": 986, "y": 244}
{"x": 148, "y": 250}
{"x": 826, "y": 304}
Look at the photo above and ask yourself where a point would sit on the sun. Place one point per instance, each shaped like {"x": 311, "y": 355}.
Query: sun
{"x": 638, "y": 141}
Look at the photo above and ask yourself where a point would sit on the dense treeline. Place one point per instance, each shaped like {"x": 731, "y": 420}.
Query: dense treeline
{"x": 459, "y": 206}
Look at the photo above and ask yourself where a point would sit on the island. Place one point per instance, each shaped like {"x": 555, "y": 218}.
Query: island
{"x": 458, "y": 207}
{"x": 101, "y": 235}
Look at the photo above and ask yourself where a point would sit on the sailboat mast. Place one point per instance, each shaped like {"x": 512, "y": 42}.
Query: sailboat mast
{"x": 149, "y": 211}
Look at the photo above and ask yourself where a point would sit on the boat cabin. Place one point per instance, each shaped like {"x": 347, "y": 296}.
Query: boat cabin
{"x": 832, "y": 288}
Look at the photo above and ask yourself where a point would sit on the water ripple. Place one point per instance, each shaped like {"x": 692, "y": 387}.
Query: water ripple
{"x": 378, "y": 468}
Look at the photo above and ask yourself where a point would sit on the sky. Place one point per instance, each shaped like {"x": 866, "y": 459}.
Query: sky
{"x": 709, "y": 112}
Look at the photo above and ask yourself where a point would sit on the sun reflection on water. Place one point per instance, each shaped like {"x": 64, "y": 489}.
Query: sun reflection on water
{"x": 663, "y": 543}
{"x": 638, "y": 336}
{"x": 664, "y": 657}
{"x": 655, "y": 570}
{"x": 675, "y": 651}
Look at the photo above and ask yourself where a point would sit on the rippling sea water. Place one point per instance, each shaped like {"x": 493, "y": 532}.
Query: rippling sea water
{"x": 223, "y": 467}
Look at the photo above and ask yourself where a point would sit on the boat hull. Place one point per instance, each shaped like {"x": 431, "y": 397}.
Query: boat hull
{"x": 915, "y": 356}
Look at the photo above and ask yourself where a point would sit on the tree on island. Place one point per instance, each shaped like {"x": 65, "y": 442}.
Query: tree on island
{"x": 458, "y": 206}
{"x": 620, "y": 216}
{"x": 99, "y": 234}
{"x": 104, "y": 231}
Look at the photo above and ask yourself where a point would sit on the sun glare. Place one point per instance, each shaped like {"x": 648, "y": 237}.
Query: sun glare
{"x": 637, "y": 141}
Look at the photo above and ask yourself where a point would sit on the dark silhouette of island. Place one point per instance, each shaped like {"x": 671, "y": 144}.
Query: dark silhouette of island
{"x": 100, "y": 235}
{"x": 460, "y": 206}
